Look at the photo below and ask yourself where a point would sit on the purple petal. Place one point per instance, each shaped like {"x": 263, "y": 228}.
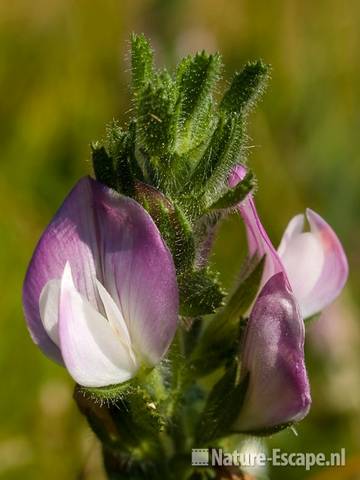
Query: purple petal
{"x": 273, "y": 355}
{"x": 138, "y": 271}
{"x": 70, "y": 236}
{"x": 315, "y": 262}
{"x": 111, "y": 238}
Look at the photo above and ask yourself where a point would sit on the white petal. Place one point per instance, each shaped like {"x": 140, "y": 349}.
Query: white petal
{"x": 92, "y": 352}
{"x": 315, "y": 262}
{"x": 335, "y": 269}
{"x": 49, "y": 309}
{"x": 303, "y": 260}
{"x": 294, "y": 228}
{"x": 115, "y": 319}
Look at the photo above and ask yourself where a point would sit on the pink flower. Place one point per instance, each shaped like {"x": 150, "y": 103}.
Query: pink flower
{"x": 100, "y": 294}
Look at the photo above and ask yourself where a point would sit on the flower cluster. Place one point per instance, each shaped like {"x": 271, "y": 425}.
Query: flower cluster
{"x": 120, "y": 279}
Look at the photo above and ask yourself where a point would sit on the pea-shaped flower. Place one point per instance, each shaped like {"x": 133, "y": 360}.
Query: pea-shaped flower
{"x": 314, "y": 261}
{"x": 306, "y": 273}
{"x": 278, "y": 392}
{"x": 100, "y": 294}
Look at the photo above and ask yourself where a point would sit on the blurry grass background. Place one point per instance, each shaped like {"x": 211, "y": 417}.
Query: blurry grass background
{"x": 63, "y": 75}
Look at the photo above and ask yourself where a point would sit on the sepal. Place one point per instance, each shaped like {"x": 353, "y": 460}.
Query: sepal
{"x": 235, "y": 195}
{"x": 128, "y": 415}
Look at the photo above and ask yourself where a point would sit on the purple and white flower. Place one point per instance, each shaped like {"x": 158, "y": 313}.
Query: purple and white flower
{"x": 303, "y": 276}
{"x": 273, "y": 355}
{"x": 100, "y": 294}
{"x": 314, "y": 262}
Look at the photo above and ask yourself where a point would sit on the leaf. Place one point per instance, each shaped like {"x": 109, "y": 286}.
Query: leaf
{"x": 200, "y": 293}
{"x": 196, "y": 78}
{"x": 171, "y": 222}
{"x": 103, "y": 165}
{"x": 222, "y": 154}
{"x": 155, "y": 126}
{"x": 235, "y": 195}
{"x": 142, "y": 60}
{"x": 223, "y": 405}
{"x": 222, "y": 336}
{"x": 246, "y": 87}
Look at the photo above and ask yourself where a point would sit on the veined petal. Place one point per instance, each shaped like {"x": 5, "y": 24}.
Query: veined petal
{"x": 138, "y": 271}
{"x": 109, "y": 237}
{"x": 70, "y": 236}
{"x": 91, "y": 350}
{"x": 273, "y": 356}
{"x": 315, "y": 262}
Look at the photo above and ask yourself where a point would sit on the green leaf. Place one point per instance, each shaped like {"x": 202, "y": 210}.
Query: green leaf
{"x": 221, "y": 337}
{"x": 200, "y": 293}
{"x": 156, "y": 125}
{"x": 246, "y": 87}
{"x": 196, "y": 78}
{"x": 235, "y": 195}
{"x": 171, "y": 222}
{"x": 223, "y": 405}
{"x": 246, "y": 291}
{"x": 103, "y": 165}
{"x": 120, "y": 147}
{"x": 223, "y": 153}
{"x": 142, "y": 60}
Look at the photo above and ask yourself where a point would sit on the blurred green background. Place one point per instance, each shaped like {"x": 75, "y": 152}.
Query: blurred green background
{"x": 64, "y": 74}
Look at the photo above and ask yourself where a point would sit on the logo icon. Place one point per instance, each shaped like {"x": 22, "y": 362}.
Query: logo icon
{"x": 200, "y": 457}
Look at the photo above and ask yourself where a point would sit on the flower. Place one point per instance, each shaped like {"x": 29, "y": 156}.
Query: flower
{"x": 306, "y": 273}
{"x": 314, "y": 262}
{"x": 278, "y": 391}
{"x": 100, "y": 294}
